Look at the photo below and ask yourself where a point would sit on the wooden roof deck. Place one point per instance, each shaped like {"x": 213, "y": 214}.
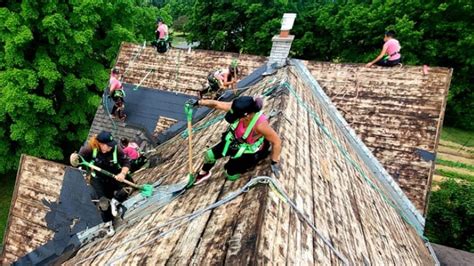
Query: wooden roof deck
{"x": 37, "y": 181}
{"x": 395, "y": 111}
{"x": 258, "y": 227}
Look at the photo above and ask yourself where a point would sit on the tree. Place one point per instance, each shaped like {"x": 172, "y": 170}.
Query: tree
{"x": 430, "y": 32}
{"x": 450, "y": 215}
{"x": 55, "y": 59}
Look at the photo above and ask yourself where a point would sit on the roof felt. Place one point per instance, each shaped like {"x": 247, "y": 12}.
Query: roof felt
{"x": 37, "y": 181}
{"x": 325, "y": 176}
{"x": 144, "y": 108}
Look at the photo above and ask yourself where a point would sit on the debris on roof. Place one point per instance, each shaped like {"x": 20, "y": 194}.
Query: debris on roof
{"x": 396, "y": 112}
{"x": 323, "y": 172}
{"x": 37, "y": 181}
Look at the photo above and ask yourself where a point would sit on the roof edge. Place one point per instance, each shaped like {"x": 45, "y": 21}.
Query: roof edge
{"x": 397, "y": 195}
{"x": 14, "y": 198}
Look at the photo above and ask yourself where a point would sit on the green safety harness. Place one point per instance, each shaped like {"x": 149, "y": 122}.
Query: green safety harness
{"x": 114, "y": 158}
{"x": 241, "y": 144}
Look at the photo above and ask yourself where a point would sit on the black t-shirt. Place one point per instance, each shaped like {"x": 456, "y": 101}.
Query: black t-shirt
{"x": 105, "y": 160}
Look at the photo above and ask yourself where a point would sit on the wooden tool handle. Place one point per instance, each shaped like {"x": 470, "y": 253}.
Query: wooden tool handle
{"x": 124, "y": 181}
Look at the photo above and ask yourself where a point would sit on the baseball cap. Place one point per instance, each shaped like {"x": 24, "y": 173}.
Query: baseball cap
{"x": 106, "y": 137}
{"x": 242, "y": 106}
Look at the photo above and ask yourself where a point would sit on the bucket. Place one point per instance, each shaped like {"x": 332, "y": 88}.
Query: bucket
{"x": 288, "y": 21}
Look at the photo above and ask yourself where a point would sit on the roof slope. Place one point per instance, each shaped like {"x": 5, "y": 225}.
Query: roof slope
{"x": 37, "y": 181}
{"x": 178, "y": 70}
{"x": 398, "y": 114}
{"x": 452, "y": 256}
{"x": 147, "y": 109}
{"x": 341, "y": 197}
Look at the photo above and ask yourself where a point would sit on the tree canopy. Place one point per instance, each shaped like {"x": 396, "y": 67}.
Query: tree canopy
{"x": 54, "y": 66}
{"x": 451, "y": 214}
{"x": 430, "y": 32}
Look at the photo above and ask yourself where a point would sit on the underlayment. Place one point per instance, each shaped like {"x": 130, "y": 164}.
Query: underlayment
{"x": 73, "y": 213}
{"x": 201, "y": 112}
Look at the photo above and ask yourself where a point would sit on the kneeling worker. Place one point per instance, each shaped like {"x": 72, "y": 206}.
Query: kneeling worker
{"x": 247, "y": 140}
{"x": 103, "y": 151}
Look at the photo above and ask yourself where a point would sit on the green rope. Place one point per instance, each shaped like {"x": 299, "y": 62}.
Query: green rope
{"x": 209, "y": 123}
{"x": 105, "y": 102}
{"x": 346, "y": 155}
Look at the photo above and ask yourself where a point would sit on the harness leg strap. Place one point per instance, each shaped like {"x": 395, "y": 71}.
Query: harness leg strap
{"x": 209, "y": 156}
{"x": 232, "y": 177}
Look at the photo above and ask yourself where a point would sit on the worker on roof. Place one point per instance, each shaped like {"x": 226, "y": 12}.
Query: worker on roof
{"x": 247, "y": 141}
{"x": 161, "y": 43}
{"x": 222, "y": 79}
{"x": 117, "y": 94}
{"x": 390, "y": 54}
{"x": 132, "y": 151}
{"x": 103, "y": 151}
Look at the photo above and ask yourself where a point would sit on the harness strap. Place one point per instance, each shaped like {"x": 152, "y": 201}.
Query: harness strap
{"x": 243, "y": 147}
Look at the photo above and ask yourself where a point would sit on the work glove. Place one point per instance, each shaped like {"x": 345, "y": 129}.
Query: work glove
{"x": 74, "y": 159}
{"x": 275, "y": 168}
{"x": 192, "y": 102}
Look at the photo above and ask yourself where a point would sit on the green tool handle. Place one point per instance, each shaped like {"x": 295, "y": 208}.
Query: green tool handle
{"x": 188, "y": 109}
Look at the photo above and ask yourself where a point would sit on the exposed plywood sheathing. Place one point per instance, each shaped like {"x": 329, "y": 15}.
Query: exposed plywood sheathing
{"x": 37, "y": 181}
{"x": 394, "y": 111}
{"x": 163, "y": 124}
{"x": 258, "y": 227}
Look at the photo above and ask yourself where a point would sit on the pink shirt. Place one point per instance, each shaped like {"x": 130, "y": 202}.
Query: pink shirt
{"x": 163, "y": 30}
{"x": 221, "y": 74}
{"x": 131, "y": 151}
{"x": 114, "y": 83}
{"x": 393, "y": 49}
{"x": 240, "y": 130}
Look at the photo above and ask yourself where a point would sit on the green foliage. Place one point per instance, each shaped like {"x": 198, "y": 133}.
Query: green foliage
{"x": 55, "y": 58}
{"x": 450, "y": 215}
{"x": 6, "y": 191}
{"x": 459, "y": 136}
{"x": 454, "y": 174}
{"x": 455, "y": 164}
{"x": 430, "y": 32}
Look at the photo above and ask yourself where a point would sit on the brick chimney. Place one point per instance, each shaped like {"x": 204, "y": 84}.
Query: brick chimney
{"x": 282, "y": 43}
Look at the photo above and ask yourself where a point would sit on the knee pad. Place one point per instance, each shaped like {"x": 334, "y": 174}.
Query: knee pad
{"x": 209, "y": 157}
{"x": 232, "y": 177}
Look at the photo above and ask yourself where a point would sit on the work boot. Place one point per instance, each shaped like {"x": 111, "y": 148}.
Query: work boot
{"x": 202, "y": 176}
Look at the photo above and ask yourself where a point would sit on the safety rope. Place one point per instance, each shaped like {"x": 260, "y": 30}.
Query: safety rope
{"x": 217, "y": 119}
{"x": 133, "y": 60}
{"x": 186, "y": 219}
{"x": 346, "y": 155}
{"x": 178, "y": 63}
{"x": 143, "y": 79}
{"x": 105, "y": 105}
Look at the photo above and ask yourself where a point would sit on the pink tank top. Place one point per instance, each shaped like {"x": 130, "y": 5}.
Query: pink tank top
{"x": 240, "y": 130}
{"x": 393, "y": 49}
{"x": 115, "y": 84}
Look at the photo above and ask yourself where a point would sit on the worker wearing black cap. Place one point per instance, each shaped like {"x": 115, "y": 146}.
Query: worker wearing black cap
{"x": 102, "y": 151}
{"x": 247, "y": 140}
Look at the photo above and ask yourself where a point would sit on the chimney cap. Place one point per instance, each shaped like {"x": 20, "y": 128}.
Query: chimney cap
{"x": 288, "y": 21}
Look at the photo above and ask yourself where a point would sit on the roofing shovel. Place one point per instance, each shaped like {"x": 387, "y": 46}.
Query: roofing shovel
{"x": 146, "y": 190}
